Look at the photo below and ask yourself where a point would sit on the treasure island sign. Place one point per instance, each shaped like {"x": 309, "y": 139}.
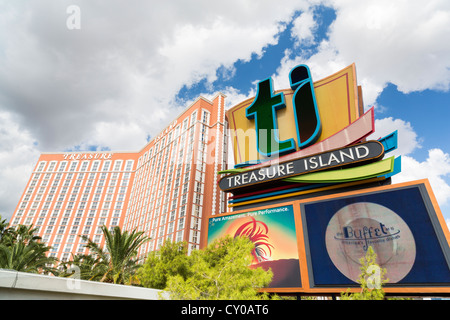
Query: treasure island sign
{"x": 313, "y": 194}
{"x": 302, "y": 139}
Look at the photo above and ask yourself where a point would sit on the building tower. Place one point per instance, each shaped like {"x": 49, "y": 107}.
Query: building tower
{"x": 167, "y": 189}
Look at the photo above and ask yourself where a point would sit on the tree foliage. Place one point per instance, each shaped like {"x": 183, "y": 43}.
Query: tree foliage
{"x": 114, "y": 263}
{"x": 22, "y": 250}
{"x": 220, "y": 271}
{"x": 170, "y": 260}
{"x": 371, "y": 279}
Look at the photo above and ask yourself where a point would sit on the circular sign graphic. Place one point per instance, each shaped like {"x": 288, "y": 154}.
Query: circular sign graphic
{"x": 357, "y": 226}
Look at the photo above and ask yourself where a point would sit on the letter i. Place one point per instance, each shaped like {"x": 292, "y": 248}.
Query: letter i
{"x": 306, "y": 113}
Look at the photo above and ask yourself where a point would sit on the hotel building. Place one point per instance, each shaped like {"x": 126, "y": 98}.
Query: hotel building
{"x": 168, "y": 189}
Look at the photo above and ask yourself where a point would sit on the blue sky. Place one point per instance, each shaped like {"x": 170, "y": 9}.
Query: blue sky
{"x": 119, "y": 77}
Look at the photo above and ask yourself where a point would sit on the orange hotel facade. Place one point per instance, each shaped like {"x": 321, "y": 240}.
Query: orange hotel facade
{"x": 168, "y": 189}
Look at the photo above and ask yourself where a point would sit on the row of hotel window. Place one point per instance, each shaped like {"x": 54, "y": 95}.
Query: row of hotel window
{"x": 147, "y": 181}
{"x": 99, "y": 193}
{"x": 63, "y": 165}
{"x": 172, "y": 135}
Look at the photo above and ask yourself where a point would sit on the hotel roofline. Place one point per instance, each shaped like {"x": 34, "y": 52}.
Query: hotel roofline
{"x": 155, "y": 136}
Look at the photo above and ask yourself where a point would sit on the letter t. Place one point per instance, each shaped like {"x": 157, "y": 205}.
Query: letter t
{"x": 263, "y": 110}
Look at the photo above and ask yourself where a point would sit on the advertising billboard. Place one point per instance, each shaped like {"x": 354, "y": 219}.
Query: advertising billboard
{"x": 273, "y": 232}
{"x": 399, "y": 222}
{"x": 314, "y": 245}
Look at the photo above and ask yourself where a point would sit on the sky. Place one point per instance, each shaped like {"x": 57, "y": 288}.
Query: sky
{"x": 90, "y": 75}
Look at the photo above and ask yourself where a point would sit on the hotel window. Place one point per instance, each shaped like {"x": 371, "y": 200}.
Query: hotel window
{"x": 182, "y": 211}
{"x": 180, "y": 236}
{"x": 117, "y": 165}
{"x": 205, "y": 117}
{"x": 84, "y": 165}
{"x": 185, "y": 124}
{"x": 193, "y": 117}
{"x": 123, "y": 190}
{"x": 97, "y": 238}
{"x": 87, "y": 230}
{"x": 185, "y": 187}
{"x": 73, "y": 166}
{"x": 183, "y": 199}
{"x": 129, "y": 165}
{"x": 51, "y": 167}
{"x": 195, "y": 223}
{"x": 41, "y": 166}
{"x": 95, "y": 166}
{"x": 40, "y": 221}
{"x": 62, "y": 166}
{"x": 106, "y": 165}
{"x": 181, "y": 224}
{"x": 55, "y": 248}
{"x": 172, "y": 215}
{"x": 194, "y": 236}
{"x": 203, "y": 134}
{"x": 197, "y": 199}
{"x": 170, "y": 229}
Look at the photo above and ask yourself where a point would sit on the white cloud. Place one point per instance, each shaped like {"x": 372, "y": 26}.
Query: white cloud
{"x": 17, "y": 157}
{"x": 399, "y": 42}
{"x": 126, "y": 60}
{"x": 303, "y": 28}
{"x": 408, "y": 140}
{"x": 113, "y": 82}
{"x": 396, "y": 41}
{"x": 434, "y": 168}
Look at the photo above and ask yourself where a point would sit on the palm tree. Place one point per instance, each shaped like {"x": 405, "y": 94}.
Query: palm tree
{"x": 27, "y": 257}
{"x": 22, "y": 250}
{"x": 115, "y": 263}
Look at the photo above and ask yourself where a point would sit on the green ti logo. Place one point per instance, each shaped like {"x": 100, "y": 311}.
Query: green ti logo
{"x": 306, "y": 114}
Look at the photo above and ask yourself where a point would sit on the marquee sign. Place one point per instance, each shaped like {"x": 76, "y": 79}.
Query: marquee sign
{"x": 276, "y": 123}
{"x": 358, "y": 153}
{"x": 313, "y": 133}
{"x": 311, "y": 140}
